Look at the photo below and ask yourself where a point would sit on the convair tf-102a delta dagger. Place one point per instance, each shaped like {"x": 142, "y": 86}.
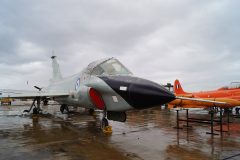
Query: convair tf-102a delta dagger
{"x": 105, "y": 85}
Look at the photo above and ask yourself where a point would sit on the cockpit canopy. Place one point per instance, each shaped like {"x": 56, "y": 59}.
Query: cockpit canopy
{"x": 233, "y": 85}
{"x": 110, "y": 66}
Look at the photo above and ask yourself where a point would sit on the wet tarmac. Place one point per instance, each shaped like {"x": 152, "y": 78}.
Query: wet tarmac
{"x": 147, "y": 134}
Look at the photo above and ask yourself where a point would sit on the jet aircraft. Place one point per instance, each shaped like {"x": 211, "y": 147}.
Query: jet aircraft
{"x": 230, "y": 95}
{"x": 232, "y": 91}
{"x": 105, "y": 85}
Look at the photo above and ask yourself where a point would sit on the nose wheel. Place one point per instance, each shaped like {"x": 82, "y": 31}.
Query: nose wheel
{"x": 107, "y": 130}
{"x": 63, "y": 108}
{"x": 104, "y": 123}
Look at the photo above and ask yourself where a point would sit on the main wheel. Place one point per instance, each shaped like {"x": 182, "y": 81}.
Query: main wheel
{"x": 104, "y": 123}
{"x": 45, "y": 102}
{"x": 62, "y": 108}
{"x": 67, "y": 109}
{"x": 35, "y": 111}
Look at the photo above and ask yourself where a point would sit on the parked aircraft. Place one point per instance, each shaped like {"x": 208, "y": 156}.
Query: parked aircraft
{"x": 106, "y": 85}
{"x": 185, "y": 103}
{"x": 232, "y": 91}
{"x": 229, "y": 94}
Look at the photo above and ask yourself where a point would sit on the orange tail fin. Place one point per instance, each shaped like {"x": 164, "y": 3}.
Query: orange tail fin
{"x": 178, "y": 88}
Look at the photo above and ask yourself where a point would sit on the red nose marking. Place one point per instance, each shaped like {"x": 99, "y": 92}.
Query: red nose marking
{"x": 96, "y": 99}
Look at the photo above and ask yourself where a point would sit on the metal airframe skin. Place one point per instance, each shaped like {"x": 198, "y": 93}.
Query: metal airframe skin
{"x": 79, "y": 85}
{"x": 116, "y": 86}
{"x": 229, "y": 95}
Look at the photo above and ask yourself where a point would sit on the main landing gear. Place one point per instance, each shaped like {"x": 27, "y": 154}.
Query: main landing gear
{"x": 36, "y": 108}
{"x": 45, "y": 102}
{"x": 63, "y": 108}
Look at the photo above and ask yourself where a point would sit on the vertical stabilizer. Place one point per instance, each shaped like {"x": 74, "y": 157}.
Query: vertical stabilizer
{"x": 56, "y": 70}
{"x": 178, "y": 88}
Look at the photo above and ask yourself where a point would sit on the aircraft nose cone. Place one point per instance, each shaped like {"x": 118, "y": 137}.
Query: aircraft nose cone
{"x": 138, "y": 92}
{"x": 148, "y": 94}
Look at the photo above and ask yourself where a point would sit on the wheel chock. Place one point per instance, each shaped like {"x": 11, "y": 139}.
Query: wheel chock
{"x": 107, "y": 130}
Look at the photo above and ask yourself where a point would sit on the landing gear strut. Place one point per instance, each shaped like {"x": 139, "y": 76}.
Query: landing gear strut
{"x": 64, "y": 107}
{"x": 104, "y": 121}
{"x": 37, "y": 108}
{"x": 106, "y": 128}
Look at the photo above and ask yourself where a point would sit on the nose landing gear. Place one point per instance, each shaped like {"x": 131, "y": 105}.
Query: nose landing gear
{"x": 105, "y": 125}
{"x": 104, "y": 121}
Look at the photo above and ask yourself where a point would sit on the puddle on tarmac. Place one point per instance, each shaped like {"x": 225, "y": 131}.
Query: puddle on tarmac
{"x": 147, "y": 134}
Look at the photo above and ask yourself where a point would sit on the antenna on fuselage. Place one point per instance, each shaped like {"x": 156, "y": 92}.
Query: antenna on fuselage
{"x": 53, "y": 55}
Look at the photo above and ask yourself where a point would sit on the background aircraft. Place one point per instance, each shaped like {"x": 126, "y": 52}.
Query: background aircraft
{"x": 232, "y": 91}
{"x": 229, "y": 94}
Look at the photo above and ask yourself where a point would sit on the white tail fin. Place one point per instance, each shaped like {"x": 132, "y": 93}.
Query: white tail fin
{"x": 56, "y": 70}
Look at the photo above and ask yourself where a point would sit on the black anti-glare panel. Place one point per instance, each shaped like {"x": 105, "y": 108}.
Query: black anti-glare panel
{"x": 140, "y": 93}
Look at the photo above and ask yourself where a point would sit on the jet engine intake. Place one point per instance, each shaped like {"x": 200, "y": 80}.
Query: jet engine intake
{"x": 96, "y": 99}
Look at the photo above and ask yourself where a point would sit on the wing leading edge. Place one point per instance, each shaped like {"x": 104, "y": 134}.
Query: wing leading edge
{"x": 23, "y": 94}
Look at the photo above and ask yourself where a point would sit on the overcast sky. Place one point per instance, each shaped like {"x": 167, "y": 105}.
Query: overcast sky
{"x": 196, "y": 41}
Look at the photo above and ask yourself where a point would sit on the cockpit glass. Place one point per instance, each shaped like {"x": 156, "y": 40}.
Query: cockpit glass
{"x": 111, "y": 67}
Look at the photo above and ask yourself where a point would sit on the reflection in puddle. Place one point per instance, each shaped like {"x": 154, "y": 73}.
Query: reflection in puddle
{"x": 151, "y": 134}
{"x": 147, "y": 134}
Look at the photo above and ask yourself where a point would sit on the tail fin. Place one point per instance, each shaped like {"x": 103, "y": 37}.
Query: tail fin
{"x": 56, "y": 70}
{"x": 178, "y": 88}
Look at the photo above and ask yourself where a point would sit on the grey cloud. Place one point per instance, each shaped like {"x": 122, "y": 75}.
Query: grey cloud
{"x": 156, "y": 39}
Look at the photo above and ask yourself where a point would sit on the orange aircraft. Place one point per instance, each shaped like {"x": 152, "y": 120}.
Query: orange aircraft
{"x": 232, "y": 91}
{"x": 229, "y": 94}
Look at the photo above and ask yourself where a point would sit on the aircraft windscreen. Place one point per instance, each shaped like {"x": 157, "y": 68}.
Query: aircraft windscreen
{"x": 111, "y": 67}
